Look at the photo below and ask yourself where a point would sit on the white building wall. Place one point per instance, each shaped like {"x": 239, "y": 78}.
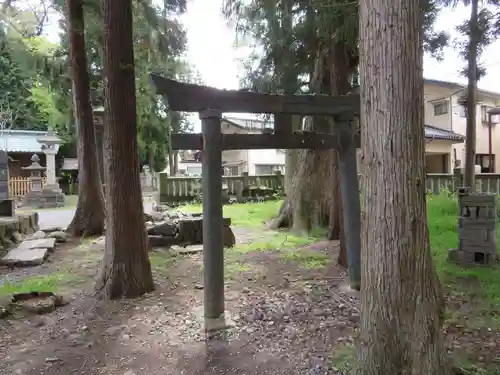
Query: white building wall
{"x": 264, "y": 157}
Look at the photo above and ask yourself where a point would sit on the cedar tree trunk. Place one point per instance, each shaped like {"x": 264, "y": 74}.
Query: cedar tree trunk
{"x": 401, "y": 297}
{"x": 126, "y": 271}
{"x": 89, "y": 214}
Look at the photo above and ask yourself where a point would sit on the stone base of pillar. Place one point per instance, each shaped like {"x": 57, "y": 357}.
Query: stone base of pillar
{"x": 44, "y": 199}
{"x": 52, "y": 188}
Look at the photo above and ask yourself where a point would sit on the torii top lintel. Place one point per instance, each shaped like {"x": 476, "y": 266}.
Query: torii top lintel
{"x": 187, "y": 97}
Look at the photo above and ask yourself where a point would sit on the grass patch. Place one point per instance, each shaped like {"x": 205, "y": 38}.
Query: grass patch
{"x": 161, "y": 262}
{"x": 343, "y": 358}
{"x": 307, "y": 258}
{"x": 274, "y": 241}
{"x": 54, "y": 282}
{"x": 481, "y": 284}
{"x": 234, "y": 268}
{"x": 244, "y": 214}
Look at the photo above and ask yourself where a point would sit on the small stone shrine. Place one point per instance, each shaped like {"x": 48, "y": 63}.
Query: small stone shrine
{"x": 7, "y": 205}
{"x": 477, "y": 230}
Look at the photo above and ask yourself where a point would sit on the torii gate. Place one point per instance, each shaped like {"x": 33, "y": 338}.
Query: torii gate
{"x": 210, "y": 103}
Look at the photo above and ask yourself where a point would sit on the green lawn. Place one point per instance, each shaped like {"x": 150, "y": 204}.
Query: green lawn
{"x": 442, "y": 218}
{"x": 442, "y": 213}
{"x": 244, "y": 215}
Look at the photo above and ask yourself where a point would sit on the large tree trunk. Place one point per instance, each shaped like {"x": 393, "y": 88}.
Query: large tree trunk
{"x": 401, "y": 299}
{"x": 126, "y": 271}
{"x": 316, "y": 192}
{"x": 89, "y": 214}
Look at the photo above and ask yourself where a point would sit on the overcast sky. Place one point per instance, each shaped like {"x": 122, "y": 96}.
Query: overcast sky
{"x": 211, "y": 48}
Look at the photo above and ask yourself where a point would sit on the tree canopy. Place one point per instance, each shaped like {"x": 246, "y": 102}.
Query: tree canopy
{"x": 34, "y": 78}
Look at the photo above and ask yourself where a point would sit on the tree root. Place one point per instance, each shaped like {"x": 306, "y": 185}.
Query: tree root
{"x": 284, "y": 217}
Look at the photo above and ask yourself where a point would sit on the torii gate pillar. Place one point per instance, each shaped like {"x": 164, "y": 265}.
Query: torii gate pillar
{"x": 213, "y": 249}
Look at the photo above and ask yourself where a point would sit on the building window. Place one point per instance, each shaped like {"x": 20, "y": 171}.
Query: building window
{"x": 261, "y": 169}
{"x": 231, "y": 171}
{"x": 440, "y": 108}
{"x": 495, "y": 119}
{"x": 483, "y": 160}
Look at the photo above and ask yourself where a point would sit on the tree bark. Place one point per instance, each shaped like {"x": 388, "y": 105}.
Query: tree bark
{"x": 316, "y": 196}
{"x": 470, "y": 139}
{"x": 401, "y": 299}
{"x": 126, "y": 271}
{"x": 89, "y": 215}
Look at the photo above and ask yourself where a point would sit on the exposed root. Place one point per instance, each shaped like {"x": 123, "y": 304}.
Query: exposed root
{"x": 284, "y": 217}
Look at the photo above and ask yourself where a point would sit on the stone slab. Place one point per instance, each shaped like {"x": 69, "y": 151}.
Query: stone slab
{"x": 42, "y": 243}
{"x": 25, "y": 257}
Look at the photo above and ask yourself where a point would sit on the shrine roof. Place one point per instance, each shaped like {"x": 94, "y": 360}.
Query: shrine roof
{"x": 24, "y": 141}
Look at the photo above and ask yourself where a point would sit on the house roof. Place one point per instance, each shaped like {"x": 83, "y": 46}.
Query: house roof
{"x": 438, "y": 133}
{"x": 250, "y": 124}
{"x": 21, "y": 140}
{"x": 458, "y": 87}
{"x": 430, "y": 131}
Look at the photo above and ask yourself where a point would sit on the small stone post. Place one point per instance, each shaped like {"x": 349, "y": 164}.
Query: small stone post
{"x": 213, "y": 252}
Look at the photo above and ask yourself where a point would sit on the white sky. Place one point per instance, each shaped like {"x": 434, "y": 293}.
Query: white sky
{"x": 211, "y": 41}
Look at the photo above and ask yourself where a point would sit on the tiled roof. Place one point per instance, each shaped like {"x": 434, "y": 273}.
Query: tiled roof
{"x": 438, "y": 133}
{"x": 21, "y": 140}
{"x": 430, "y": 131}
{"x": 250, "y": 124}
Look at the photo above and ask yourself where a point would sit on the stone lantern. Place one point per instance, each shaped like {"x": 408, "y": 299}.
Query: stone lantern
{"x": 34, "y": 196}
{"x": 50, "y": 145}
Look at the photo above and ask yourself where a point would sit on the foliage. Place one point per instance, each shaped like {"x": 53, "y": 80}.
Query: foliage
{"x": 159, "y": 41}
{"x": 488, "y": 30}
{"x": 314, "y": 23}
{"x": 16, "y": 108}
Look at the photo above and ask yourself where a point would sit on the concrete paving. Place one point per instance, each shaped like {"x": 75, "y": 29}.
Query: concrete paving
{"x": 62, "y": 218}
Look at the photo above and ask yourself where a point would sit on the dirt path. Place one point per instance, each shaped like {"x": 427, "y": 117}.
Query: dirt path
{"x": 285, "y": 319}
{"x": 290, "y": 312}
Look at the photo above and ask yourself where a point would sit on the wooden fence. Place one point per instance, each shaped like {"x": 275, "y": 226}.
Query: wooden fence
{"x": 20, "y": 186}
{"x": 185, "y": 189}
{"x": 485, "y": 182}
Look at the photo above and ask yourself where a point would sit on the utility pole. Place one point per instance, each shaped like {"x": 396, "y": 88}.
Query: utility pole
{"x": 470, "y": 101}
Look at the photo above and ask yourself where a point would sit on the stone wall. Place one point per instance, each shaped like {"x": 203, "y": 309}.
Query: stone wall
{"x": 14, "y": 229}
